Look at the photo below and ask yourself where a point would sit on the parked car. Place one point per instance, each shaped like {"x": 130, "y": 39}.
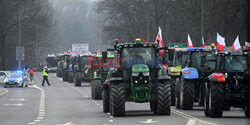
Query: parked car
{"x": 3, "y": 76}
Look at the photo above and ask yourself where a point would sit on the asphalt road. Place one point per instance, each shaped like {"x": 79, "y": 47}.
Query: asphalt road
{"x": 63, "y": 104}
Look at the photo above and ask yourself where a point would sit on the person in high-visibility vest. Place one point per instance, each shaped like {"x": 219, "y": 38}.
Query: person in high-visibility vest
{"x": 45, "y": 76}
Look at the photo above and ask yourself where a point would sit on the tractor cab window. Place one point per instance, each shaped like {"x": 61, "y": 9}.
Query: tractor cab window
{"x": 236, "y": 63}
{"x": 84, "y": 61}
{"x": 132, "y": 56}
{"x": 180, "y": 58}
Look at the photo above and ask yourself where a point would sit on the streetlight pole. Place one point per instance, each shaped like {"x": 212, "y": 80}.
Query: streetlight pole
{"x": 147, "y": 1}
{"x": 19, "y": 40}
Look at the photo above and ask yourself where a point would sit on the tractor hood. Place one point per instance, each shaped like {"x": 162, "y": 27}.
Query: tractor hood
{"x": 140, "y": 68}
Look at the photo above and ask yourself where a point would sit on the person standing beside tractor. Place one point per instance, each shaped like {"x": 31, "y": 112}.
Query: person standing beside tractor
{"x": 45, "y": 76}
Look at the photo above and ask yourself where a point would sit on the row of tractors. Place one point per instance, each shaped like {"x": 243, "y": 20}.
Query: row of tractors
{"x": 182, "y": 77}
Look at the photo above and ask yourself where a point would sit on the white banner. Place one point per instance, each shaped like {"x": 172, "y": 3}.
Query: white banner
{"x": 80, "y": 49}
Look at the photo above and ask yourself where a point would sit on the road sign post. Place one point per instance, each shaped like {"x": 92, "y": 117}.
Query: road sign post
{"x": 19, "y": 55}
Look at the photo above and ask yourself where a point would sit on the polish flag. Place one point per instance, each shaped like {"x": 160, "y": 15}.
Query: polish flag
{"x": 236, "y": 45}
{"x": 220, "y": 43}
{"x": 203, "y": 43}
{"x": 161, "y": 44}
{"x": 247, "y": 45}
{"x": 190, "y": 44}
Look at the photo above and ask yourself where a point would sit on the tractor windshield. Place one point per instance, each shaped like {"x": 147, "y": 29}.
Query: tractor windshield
{"x": 236, "y": 63}
{"x": 231, "y": 63}
{"x": 84, "y": 60}
{"x": 180, "y": 58}
{"x": 132, "y": 56}
{"x": 203, "y": 60}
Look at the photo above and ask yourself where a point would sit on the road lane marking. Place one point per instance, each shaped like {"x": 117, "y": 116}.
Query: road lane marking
{"x": 5, "y": 92}
{"x": 111, "y": 120}
{"x": 19, "y": 104}
{"x": 41, "y": 107}
{"x": 17, "y": 99}
{"x": 191, "y": 119}
{"x": 69, "y": 123}
{"x": 148, "y": 121}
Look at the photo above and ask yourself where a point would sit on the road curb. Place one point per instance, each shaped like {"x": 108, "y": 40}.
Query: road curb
{"x": 3, "y": 91}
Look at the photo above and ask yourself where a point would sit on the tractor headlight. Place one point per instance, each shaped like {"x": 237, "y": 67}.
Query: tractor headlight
{"x": 146, "y": 81}
{"x": 136, "y": 81}
{"x": 135, "y": 74}
{"x": 145, "y": 74}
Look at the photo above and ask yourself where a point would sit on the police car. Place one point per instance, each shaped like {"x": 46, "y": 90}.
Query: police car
{"x": 16, "y": 79}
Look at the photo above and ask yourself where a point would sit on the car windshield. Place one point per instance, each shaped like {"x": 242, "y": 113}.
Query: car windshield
{"x": 15, "y": 75}
{"x": 132, "y": 56}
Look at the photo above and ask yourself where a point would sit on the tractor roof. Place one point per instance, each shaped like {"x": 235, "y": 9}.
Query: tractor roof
{"x": 138, "y": 44}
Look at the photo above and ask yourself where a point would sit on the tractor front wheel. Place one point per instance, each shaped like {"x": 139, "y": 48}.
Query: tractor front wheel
{"x": 187, "y": 94}
{"x": 77, "y": 79}
{"x": 117, "y": 100}
{"x": 216, "y": 100}
{"x": 96, "y": 89}
{"x": 173, "y": 91}
{"x": 164, "y": 98}
{"x": 177, "y": 93}
{"x": 206, "y": 100}
{"x": 71, "y": 80}
{"x": 105, "y": 100}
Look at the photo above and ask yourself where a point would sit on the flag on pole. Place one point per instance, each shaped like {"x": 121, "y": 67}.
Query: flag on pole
{"x": 236, "y": 45}
{"x": 190, "y": 43}
{"x": 159, "y": 38}
{"x": 220, "y": 43}
{"x": 203, "y": 43}
{"x": 247, "y": 45}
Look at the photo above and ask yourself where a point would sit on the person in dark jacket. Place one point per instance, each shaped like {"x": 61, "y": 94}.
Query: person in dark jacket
{"x": 45, "y": 76}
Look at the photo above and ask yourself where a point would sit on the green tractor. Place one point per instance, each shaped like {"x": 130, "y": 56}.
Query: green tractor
{"x": 65, "y": 69}
{"x": 100, "y": 74}
{"x": 228, "y": 85}
{"x": 82, "y": 69}
{"x": 60, "y": 60}
{"x": 137, "y": 77}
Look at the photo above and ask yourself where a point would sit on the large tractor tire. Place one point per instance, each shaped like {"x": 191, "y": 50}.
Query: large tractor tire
{"x": 216, "y": 100}
{"x": 187, "y": 94}
{"x": 247, "y": 107}
{"x": 164, "y": 98}
{"x": 77, "y": 80}
{"x": 97, "y": 88}
{"x": 173, "y": 91}
{"x": 118, "y": 100}
{"x": 71, "y": 77}
{"x": 206, "y": 100}
{"x": 177, "y": 93}
{"x": 105, "y": 100}
{"x": 59, "y": 72}
{"x": 65, "y": 74}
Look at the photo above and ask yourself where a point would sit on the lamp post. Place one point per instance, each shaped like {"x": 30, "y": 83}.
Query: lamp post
{"x": 147, "y": 17}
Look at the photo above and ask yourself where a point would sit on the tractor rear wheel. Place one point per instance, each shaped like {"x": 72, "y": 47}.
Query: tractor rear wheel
{"x": 71, "y": 80}
{"x": 77, "y": 79}
{"x": 92, "y": 88}
{"x": 65, "y": 74}
{"x": 177, "y": 93}
{"x": 216, "y": 100}
{"x": 164, "y": 98}
{"x": 187, "y": 94}
{"x": 117, "y": 100}
{"x": 173, "y": 91}
{"x": 59, "y": 72}
{"x": 105, "y": 100}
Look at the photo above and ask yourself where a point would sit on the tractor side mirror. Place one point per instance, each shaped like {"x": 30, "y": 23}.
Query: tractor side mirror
{"x": 104, "y": 56}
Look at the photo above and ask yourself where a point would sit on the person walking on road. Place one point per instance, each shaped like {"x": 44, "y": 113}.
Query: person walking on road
{"x": 31, "y": 72}
{"x": 45, "y": 76}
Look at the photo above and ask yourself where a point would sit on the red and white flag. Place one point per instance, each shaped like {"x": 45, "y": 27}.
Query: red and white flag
{"x": 220, "y": 43}
{"x": 236, "y": 45}
{"x": 190, "y": 43}
{"x": 161, "y": 44}
{"x": 247, "y": 45}
{"x": 203, "y": 43}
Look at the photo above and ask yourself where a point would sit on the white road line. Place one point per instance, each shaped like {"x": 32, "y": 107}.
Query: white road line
{"x": 5, "y": 92}
{"x": 191, "y": 119}
{"x": 148, "y": 121}
{"x": 17, "y": 99}
{"x": 18, "y": 105}
{"x": 111, "y": 120}
{"x": 41, "y": 107}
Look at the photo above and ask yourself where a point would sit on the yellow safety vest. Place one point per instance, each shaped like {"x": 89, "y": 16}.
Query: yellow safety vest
{"x": 45, "y": 73}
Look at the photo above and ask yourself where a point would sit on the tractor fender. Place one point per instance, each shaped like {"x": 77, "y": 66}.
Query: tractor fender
{"x": 190, "y": 73}
{"x": 217, "y": 77}
{"x": 116, "y": 79}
